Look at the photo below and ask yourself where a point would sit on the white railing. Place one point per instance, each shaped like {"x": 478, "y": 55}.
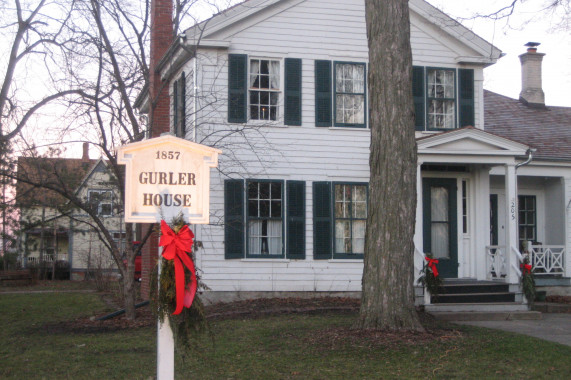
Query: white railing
{"x": 515, "y": 264}
{"x": 48, "y": 258}
{"x": 496, "y": 267}
{"x": 547, "y": 259}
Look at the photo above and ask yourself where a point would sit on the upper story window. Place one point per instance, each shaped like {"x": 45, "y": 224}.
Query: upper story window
{"x": 101, "y": 201}
{"x": 255, "y": 93}
{"x": 264, "y": 89}
{"x": 441, "y": 99}
{"x": 350, "y": 94}
{"x": 340, "y": 94}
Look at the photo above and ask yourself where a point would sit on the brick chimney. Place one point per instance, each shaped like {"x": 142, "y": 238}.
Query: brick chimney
{"x": 161, "y": 39}
{"x": 531, "y": 91}
{"x": 85, "y": 156}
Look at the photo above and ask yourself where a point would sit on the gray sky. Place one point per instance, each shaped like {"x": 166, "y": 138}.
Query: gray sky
{"x": 528, "y": 23}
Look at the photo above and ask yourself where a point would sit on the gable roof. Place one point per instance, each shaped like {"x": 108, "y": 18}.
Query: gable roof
{"x": 546, "y": 129}
{"x": 64, "y": 173}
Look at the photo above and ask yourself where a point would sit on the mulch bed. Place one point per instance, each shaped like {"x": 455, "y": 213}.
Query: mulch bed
{"x": 258, "y": 308}
{"x": 558, "y": 299}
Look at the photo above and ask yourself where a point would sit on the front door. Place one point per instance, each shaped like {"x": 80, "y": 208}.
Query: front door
{"x": 441, "y": 223}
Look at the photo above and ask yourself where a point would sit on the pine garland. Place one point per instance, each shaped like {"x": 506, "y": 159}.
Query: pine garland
{"x": 191, "y": 322}
{"x": 429, "y": 280}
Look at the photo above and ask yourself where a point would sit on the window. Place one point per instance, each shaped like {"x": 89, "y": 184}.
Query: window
{"x": 265, "y": 218}
{"x": 119, "y": 238}
{"x": 101, "y": 201}
{"x": 339, "y": 220}
{"x": 442, "y": 102}
{"x": 350, "y": 219}
{"x": 350, "y": 94}
{"x": 264, "y": 89}
{"x": 179, "y": 106}
{"x": 527, "y": 218}
{"x": 441, "y": 89}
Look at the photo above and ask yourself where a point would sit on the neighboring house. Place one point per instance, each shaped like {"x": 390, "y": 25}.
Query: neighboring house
{"x": 68, "y": 234}
{"x": 281, "y": 88}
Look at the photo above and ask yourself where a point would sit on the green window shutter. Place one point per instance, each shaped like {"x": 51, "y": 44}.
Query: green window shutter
{"x": 182, "y": 105}
{"x": 418, "y": 92}
{"x": 466, "y": 97}
{"x": 233, "y": 218}
{"x": 237, "y": 88}
{"x": 296, "y": 220}
{"x": 292, "y": 85}
{"x": 322, "y": 221}
{"x": 323, "y": 94}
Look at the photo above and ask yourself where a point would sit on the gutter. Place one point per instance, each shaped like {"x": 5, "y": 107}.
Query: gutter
{"x": 530, "y": 153}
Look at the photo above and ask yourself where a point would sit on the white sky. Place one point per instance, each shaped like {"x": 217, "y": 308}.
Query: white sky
{"x": 528, "y": 23}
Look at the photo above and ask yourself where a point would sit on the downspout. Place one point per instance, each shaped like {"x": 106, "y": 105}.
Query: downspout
{"x": 530, "y": 153}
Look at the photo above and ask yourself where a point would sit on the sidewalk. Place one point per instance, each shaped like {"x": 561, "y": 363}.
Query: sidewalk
{"x": 554, "y": 327}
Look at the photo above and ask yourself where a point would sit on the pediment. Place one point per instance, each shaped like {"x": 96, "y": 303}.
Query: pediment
{"x": 470, "y": 141}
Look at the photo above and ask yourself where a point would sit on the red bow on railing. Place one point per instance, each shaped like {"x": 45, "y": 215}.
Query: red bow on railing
{"x": 176, "y": 247}
{"x": 432, "y": 265}
{"x": 526, "y": 268}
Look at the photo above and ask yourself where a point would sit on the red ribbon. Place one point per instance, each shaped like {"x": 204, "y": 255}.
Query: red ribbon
{"x": 526, "y": 268}
{"x": 176, "y": 247}
{"x": 432, "y": 265}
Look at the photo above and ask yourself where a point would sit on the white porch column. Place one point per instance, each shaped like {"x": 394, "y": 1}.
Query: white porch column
{"x": 511, "y": 222}
{"x": 418, "y": 227}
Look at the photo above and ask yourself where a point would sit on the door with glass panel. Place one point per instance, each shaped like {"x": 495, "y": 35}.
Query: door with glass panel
{"x": 441, "y": 223}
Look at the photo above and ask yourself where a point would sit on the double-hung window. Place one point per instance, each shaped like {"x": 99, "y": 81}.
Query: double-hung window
{"x": 350, "y": 219}
{"x": 350, "y": 94}
{"x": 527, "y": 205}
{"x": 101, "y": 201}
{"x": 441, "y": 98}
{"x": 340, "y": 94}
{"x": 264, "y": 88}
{"x": 339, "y": 220}
{"x": 265, "y": 218}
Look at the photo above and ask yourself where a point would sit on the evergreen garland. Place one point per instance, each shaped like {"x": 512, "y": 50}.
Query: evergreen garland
{"x": 191, "y": 322}
{"x": 429, "y": 280}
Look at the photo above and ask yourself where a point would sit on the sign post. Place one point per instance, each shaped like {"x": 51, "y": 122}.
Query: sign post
{"x": 166, "y": 177}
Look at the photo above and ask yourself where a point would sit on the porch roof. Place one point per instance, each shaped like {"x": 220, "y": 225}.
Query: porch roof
{"x": 469, "y": 145}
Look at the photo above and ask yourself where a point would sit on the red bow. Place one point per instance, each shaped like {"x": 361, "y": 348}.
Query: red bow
{"x": 432, "y": 265}
{"x": 526, "y": 268}
{"x": 176, "y": 247}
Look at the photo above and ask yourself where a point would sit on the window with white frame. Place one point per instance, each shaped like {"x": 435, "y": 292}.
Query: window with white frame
{"x": 264, "y": 89}
{"x": 350, "y": 219}
{"x": 101, "y": 201}
{"x": 265, "y": 218}
{"x": 350, "y": 94}
{"x": 441, "y": 98}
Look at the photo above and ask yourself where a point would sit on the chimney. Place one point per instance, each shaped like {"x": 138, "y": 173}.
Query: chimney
{"x": 161, "y": 39}
{"x": 85, "y": 156}
{"x": 531, "y": 92}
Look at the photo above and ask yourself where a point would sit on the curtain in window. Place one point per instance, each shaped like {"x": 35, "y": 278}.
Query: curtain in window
{"x": 275, "y": 237}
{"x": 254, "y": 233}
{"x": 254, "y": 72}
{"x": 275, "y": 75}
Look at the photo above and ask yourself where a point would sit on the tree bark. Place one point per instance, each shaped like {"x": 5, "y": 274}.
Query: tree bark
{"x": 388, "y": 290}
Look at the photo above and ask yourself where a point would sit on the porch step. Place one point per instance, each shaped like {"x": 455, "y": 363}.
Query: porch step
{"x": 487, "y": 316}
{"x": 472, "y": 291}
{"x": 550, "y": 280}
{"x": 494, "y": 307}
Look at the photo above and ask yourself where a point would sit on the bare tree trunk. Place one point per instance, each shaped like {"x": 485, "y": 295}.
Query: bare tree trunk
{"x": 388, "y": 291}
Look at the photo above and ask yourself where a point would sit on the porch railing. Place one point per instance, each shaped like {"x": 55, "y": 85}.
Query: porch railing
{"x": 496, "y": 266}
{"x": 547, "y": 259}
{"x": 48, "y": 258}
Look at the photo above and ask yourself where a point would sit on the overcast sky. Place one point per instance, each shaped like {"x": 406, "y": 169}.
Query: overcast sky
{"x": 528, "y": 23}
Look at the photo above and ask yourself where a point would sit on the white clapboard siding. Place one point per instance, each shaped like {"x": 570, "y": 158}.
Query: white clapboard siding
{"x": 311, "y": 29}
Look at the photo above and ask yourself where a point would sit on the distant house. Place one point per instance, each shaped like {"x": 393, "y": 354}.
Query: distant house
{"x": 52, "y": 229}
{"x": 281, "y": 87}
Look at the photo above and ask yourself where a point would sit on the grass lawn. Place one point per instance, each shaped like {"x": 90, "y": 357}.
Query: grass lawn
{"x": 32, "y": 346}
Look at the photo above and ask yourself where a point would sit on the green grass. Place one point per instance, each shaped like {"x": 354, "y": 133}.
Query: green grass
{"x": 277, "y": 347}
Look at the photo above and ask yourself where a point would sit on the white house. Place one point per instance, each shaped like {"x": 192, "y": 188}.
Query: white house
{"x": 280, "y": 87}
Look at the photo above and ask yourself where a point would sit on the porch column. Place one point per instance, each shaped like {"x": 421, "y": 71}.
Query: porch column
{"x": 567, "y": 204}
{"x": 511, "y": 222}
{"x": 418, "y": 243}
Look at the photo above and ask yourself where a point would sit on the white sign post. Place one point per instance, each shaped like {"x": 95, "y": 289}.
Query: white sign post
{"x": 167, "y": 176}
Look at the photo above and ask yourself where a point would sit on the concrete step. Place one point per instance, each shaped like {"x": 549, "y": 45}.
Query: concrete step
{"x": 486, "y": 316}
{"x": 476, "y": 307}
{"x": 473, "y": 287}
{"x": 474, "y": 297}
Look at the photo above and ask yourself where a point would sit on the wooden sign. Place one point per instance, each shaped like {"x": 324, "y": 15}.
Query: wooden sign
{"x": 166, "y": 176}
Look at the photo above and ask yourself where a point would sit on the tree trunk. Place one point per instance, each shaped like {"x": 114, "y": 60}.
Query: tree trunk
{"x": 388, "y": 291}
